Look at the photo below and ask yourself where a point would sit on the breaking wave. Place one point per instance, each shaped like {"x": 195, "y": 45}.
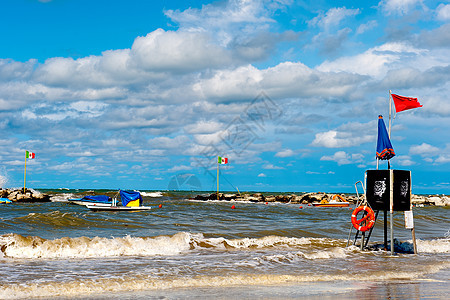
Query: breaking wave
{"x": 18, "y": 246}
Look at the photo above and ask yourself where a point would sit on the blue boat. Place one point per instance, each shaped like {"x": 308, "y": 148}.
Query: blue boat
{"x": 5, "y": 200}
{"x": 131, "y": 201}
{"x": 93, "y": 199}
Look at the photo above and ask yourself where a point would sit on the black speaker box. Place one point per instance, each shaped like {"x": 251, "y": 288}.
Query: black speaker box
{"x": 378, "y": 184}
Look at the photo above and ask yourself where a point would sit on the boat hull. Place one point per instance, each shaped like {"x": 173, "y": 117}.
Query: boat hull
{"x": 96, "y": 207}
{"x": 84, "y": 202}
{"x": 338, "y": 204}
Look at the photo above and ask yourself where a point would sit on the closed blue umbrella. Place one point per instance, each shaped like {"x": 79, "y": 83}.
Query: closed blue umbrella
{"x": 384, "y": 146}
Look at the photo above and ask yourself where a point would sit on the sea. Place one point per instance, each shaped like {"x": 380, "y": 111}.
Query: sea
{"x": 188, "y": 249}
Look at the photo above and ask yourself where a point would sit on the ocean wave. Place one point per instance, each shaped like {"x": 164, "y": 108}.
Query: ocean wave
{"x": 55, "y": 219}
{"x": 63, "y": 197}
{"x": 148, "y": 283}
{"x": 152, "y": 194}
{"x": 18, "y": 246}
{"x": 433, "y": 246}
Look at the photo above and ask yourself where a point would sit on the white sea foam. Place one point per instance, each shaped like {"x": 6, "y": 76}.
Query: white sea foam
{"x": 433, "y": 246}
{"x": 152, "y": 194}
{"x": 61, "y": 197}
{"x": 325, "y": 254}
{"x": 17, "y": 246}
{"x": 264, "y": 242}
{"x": 140, "y": 283}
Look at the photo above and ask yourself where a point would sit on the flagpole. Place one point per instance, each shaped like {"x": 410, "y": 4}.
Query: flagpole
{"x": 217, "y": 178}
{"x": 391, "y": 204}
{"x": 390, "y": 112}
{"x": 25, "y": 173}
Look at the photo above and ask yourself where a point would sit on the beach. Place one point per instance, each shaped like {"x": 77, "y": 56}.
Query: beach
{"x": 205, "y": 249}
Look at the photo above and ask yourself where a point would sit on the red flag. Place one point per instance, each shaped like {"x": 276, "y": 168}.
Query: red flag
{"x": 404, "y": 103}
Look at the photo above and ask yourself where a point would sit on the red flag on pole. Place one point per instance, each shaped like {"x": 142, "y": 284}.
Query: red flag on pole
{"x": 404, "y": 103}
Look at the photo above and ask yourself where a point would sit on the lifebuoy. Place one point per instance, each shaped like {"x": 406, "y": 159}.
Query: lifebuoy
{"x": 368, "y": 220}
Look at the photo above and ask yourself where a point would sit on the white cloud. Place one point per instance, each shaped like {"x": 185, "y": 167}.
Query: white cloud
{"x": 443, "y": 159}
{"x": 179, "y": 168}
{"x": 13, "y": 70}
{"x": 437, "y": 104}
{"x": 424, "y": 150}
{"x": 272, "y": 167}
{"x": 443, "y": 12}
{"x": 404, "y": 160}
{"x": 262, "y": 175}
{"x": 431, "y": 154}
{"x": 177, "y": 51}
{"x": 400, "y": 7}
{"x": 377, "y": 61}
{"x": 204, "y": 127}
{"x": 347, "y": 135}
{"x": 366, "y": 26}
{"x": 333, "y": 17}
{"x": 285, "y": 153}
{"x": 286, "y": 79}
{"x": 343, "y": 158}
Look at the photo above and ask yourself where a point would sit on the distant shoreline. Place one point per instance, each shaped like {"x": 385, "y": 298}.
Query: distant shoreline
{"x": 32, "y": 195}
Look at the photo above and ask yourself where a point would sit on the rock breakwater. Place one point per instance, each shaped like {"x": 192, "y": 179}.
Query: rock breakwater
{"x": 282, "y": 198}
{"x": 309, "y": 198}
{"x": 19, "y": 195}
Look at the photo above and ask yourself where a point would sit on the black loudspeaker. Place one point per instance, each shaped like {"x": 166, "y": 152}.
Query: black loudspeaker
{"x": 402, "y": 190}
{"x": 377, "y": 189}
{"x": 378, "y": 184}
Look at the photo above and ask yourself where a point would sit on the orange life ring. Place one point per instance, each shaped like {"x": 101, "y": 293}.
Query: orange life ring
{"x": 368, "y": 220}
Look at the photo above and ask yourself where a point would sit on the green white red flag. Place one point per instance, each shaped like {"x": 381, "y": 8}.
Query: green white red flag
{"x": 30, "y": 155}
{"x": 222, "y": 160}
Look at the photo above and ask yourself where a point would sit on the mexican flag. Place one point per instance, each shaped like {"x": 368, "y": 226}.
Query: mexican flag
{"x": 30, "y": 155}
{"x": 223, "y": 160}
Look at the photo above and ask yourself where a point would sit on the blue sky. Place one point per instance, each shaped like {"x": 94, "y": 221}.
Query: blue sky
{"x": 135, "y": 94}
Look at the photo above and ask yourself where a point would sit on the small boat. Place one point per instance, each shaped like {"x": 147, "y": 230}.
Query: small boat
{"x": 5, "y": 200}
{"x": 131, "y": 201}
{"x": 333, "y": 202}
{"x": 93, "y": 199}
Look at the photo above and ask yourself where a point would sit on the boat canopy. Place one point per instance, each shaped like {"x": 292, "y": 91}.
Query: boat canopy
{"x": 128, "y": 196}
{"x": 97, "y": 198}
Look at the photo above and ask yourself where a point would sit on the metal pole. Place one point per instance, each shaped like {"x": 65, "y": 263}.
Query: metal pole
{"x": 413, "y": 232}
{"x": 391, "y": 197}
{"x": 362, "y": 240}
{"x": 390, "y": 111}
{"x": 217, "y": 178}
{"x": 25, "y": 173}
{"x": 385, "y": 229}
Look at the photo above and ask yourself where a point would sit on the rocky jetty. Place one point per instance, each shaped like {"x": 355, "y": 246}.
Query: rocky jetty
{"x": 308, "y": 198}
{"x": 19, "y": 195}
{"x": 290, "y": 198}
{"x": 437, "y": 200}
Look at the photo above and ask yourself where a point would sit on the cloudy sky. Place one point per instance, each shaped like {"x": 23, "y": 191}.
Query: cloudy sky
{"x": 145, "y": 94}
